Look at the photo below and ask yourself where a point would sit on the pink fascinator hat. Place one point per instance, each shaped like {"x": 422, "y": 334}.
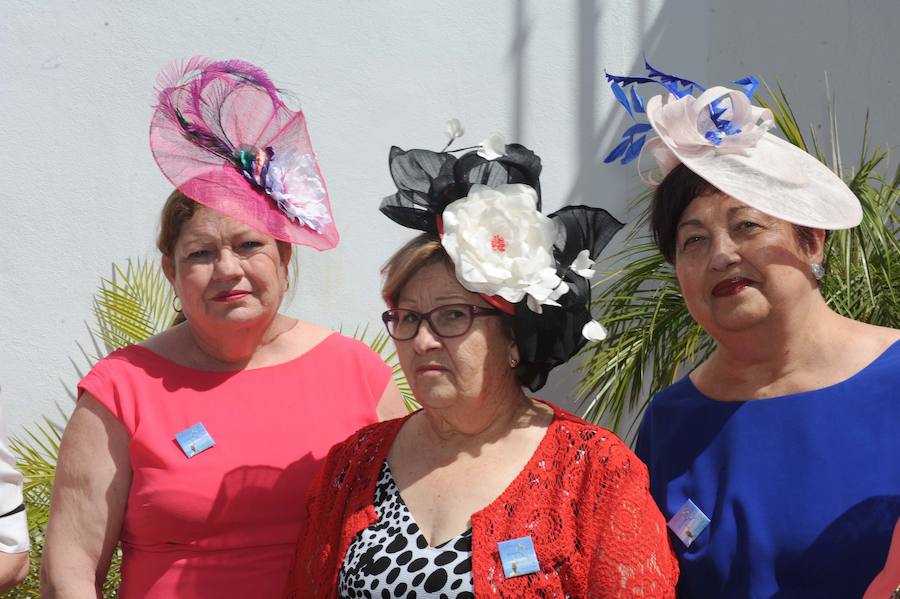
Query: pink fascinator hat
{"x": 222, "y": 135}
{"x": 723, "y": 138}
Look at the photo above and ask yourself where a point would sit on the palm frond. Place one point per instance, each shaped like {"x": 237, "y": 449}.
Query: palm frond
{"x": 132, "y": 305}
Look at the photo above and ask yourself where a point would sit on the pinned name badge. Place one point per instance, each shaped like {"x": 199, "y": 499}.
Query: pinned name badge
{"x": 688, "y": 523}
{"x": 518, "y": 557}
{"x": 194, "y": 439}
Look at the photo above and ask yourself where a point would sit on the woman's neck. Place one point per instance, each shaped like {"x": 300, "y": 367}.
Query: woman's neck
{"x": 235, "y": 347}
{"x": 469, "y": 424}
{"x": 788, "y": 353}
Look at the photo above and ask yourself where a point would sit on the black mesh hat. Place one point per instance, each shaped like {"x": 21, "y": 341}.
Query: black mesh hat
{"x": 485, "y": 206}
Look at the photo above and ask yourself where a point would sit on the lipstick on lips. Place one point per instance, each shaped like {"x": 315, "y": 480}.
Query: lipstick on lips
{"x": 231, "y": 296}
{"x": 731, "y": 286}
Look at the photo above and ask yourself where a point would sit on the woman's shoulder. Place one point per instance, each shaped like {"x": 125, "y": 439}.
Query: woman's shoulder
{"x": 370, "y": 439}
{"x": 577, "y": 436}
{"x": 128, "y": 358}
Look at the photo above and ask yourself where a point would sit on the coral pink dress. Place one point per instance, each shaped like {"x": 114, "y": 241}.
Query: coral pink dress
{"x": 224, "y": 522}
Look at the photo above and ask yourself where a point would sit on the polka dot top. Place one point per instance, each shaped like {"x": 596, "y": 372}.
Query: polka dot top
{"x": 391, "y": 558}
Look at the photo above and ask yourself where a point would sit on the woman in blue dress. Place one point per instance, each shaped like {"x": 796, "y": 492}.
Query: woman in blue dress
{"x": 776, "y": 460}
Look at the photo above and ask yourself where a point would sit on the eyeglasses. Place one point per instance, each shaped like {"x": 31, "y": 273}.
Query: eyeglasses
{"x": 451, "y": 320}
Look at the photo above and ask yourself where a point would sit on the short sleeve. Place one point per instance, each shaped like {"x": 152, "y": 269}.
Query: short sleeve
{"x": 13, "y": 524}
{"x": 105, "y": 382}
{"x": 376, "y": 372}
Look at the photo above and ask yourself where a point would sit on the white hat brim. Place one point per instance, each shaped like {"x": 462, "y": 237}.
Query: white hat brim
{"x": 775, "y": 177}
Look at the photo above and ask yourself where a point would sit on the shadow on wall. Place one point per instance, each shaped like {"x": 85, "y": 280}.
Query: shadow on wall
{"x": 595, "y": 183}
{"x": 594, "y": 139}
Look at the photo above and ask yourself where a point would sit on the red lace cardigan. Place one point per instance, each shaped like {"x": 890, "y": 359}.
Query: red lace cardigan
{"x": 583, "y": 498}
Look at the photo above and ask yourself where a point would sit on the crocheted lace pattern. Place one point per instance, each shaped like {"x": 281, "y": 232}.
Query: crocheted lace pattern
{"x": 583, "y": 498}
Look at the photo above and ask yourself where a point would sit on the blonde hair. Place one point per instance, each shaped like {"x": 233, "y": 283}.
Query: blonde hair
{"x": 423, "y": 250}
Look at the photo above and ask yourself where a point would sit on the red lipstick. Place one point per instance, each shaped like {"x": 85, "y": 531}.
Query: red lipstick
{"x": 731, "y": 286}
{"x": 231, "y": 296}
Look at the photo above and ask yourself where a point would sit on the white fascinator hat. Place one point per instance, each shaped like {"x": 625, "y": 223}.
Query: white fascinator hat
{"x": 723, "y": 138}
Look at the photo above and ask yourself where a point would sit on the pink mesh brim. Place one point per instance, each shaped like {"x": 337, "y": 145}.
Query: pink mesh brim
{"x": 244, "y": 115}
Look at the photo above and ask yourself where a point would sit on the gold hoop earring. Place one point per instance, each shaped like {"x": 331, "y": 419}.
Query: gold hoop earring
{"x": 178, "y": 307}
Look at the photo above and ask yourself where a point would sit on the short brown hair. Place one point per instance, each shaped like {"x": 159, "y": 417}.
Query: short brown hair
{"x": 423, "y": 250}
{"x": 677, "y": 190}
{"x": 177, "y": 210}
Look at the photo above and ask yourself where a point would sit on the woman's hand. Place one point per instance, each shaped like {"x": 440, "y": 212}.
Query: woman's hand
{"x": 90, "y": 492}
{"x": 13, "y": 569}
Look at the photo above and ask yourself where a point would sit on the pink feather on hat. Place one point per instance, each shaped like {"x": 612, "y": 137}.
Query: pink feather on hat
{"x": 222, "y": 135}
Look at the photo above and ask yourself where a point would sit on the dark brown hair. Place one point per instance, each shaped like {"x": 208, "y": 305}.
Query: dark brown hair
{"x": 671, "y": 198}
{"x": 677, "y": 190}
{"x": 177, "y": 210}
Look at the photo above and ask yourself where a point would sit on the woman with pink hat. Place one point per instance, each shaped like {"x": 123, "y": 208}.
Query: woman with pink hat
{"x": 775, "y": 459}
{"x": 194, "y": 449}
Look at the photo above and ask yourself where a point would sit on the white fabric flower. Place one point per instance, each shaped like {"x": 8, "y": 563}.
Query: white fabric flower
{"x": 686, "y": 124}
{"x": 492, "y": 147}
{"x": 594, "y": 331}
{"x": 454, "y": 129}
{"x": 502, "y": 245}
{"x": 582, "y": 265}
{"x": 293, "y": 182}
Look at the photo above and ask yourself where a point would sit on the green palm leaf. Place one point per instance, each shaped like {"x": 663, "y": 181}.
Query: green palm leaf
{"x": 133, "y": 305}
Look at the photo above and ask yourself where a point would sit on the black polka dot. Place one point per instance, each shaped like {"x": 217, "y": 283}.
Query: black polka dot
{"x": 417, "y": 564}
{"x": 392, "y": 559}
{"x": 463, "y": 567}
{"x": 436, "y": 581}
{"x": 398, "y": 544}
{"x": 447, "y": 557}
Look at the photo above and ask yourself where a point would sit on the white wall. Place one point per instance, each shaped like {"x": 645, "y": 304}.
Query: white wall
{"x": 797, "y": 42}
{"x": 80, "y": 189}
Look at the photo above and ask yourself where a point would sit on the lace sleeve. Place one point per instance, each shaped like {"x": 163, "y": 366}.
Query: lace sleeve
{"x": 633, "y": 557}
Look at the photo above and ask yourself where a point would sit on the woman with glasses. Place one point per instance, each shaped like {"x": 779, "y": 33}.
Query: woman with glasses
{"x": 486, "y": 491}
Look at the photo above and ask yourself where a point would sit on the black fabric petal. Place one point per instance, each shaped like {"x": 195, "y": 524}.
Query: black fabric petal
{"x": 585, "y": 228}
{"x": 549, "y": 339}
{"x": 427, "y": 182}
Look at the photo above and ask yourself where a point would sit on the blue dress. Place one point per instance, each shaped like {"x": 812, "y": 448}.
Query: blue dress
{"x": 802, "y": 490}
